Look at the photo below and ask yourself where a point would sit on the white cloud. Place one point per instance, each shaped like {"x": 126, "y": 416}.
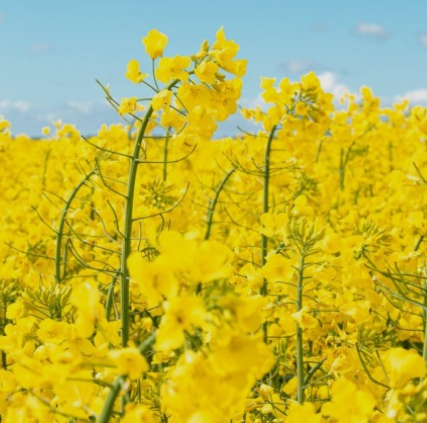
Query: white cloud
{"x": 298, "y": 65}
{"x": 17, "y": 106}
{"x": 423, "y": 39}
{"x": 251, "y": 103}
{"x": 40, "y": 48}
{"x": 415, "y": 96}
{"x": 83, "y": 107}
{"x": 331, "y": 84}
{"x": 372, "y": 30}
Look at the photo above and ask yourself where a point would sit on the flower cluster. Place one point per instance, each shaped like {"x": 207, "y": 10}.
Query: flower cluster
{"x": 152, "y": 274}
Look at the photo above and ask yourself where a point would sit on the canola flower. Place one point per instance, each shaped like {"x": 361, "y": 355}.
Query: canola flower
{"x": 150, "y": 274}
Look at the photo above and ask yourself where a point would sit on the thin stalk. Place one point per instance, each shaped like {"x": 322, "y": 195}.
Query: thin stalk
{"x": 299, "y": 335}
{"x": 128, "y": 220}
{"x": 265, "y": 209}
{"x": 127, "y": 231}
{"x": 211, "y": 210}
{"x": 107, "y": 410}
{"x": 419, "y": 242}
{"x": 60, "y": 232}
{"x": 265, "y": 201}
{"x": 165, "y": 157}
{"x": 110, "y": 296}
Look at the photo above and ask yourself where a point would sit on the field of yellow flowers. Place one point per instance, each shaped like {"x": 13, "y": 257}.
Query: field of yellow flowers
{"x": 150, "y": 274}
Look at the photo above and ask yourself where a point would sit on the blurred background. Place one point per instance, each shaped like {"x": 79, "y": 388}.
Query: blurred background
{"x": 51, "y": 51}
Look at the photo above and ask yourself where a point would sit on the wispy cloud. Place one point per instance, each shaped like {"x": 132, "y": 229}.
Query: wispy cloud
{"x": 415, "y": 97}
{"x": 423, "y": 39}
{"x": 372, "y": 30}
{"x": 40, "y": 48}
{"x": 331, "y": 84}
{"x": 14, "y": 106}
{"x": 298, "y": 65}
{"x": 83, "y": 107}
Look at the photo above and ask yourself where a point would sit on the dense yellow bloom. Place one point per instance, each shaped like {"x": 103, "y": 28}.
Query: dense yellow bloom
{"x": 303, "y": 414}
{"x": 138, "y": 414}
{"x": 155, "y": 42}
{"x": 127, "y": 105}
{"x": 181, "y": 314}
{"x": 402, "y": 366}
{"x": 162, "y": 99}
{"x": 171, "y": 68}
{"x": 133, "y": 72}
{"x": 4, "y": 124}
{"x": 349, "y": 404}
{"x": 421, "y": 116}
{"x": 206, "y": 72}
{"x": 129, "y": 361}
{"x": 151, "y": 273}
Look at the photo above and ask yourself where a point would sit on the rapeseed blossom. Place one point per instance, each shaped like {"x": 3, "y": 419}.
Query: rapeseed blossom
{"x": 151, "y": 274}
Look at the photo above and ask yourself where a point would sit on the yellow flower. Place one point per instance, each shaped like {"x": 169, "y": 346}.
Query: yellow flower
{"x": 133, "y": 72}
{"x": 155, "y": 279}
{"x": 162, "y": 99}
{"x": 52, "y": 332}
{"x": 15, "y": 310}
{"x": 278, "y": 269}
{"x": 155, "y": 42}
{"x": 422, "y": 125}
{"x": 173, "y": 68}
{"x": 349, "y": 404}
{"x": 181, "y": 314}
{"x": 206, "y": 72}
{"x": 402, "y": 366}
{"x": 127, "y": 105}
{"x": 45, "y": 130}
{"x": 129, "y": 362}
{"x": 138, "y": 414}
{"x": 305, "y": 319}
{"x": 303, "y": 413}
{"x": 4, "y": 124}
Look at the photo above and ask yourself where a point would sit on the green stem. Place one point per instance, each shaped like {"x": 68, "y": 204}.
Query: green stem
{"x": 110, "y": 296}
{"x": 265, "y": 209}
{"x": 419, "y": 242}
{"x": 211, "y": 210}
{"x": 265, "y": 201}
{"x": 165, "y": 157}
{"x": 299, "y": 340}
{"x": 60, "y": 232}
{"x": 128, "y": 219}
{"x": 107, "y": 410}
{"x": 127, "y": 231}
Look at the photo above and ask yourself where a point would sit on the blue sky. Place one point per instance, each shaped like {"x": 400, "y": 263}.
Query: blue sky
{"x": 51, "y": 51}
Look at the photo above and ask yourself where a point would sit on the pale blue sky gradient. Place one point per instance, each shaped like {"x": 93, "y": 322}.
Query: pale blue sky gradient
{"x": 52, "y": 50}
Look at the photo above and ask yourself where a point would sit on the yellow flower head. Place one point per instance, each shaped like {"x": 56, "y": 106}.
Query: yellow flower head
{"x": 133, "y": 72}
{"x": 173, "y": 68}
{"x": 421, "y": 116}
{"x": 206, "y": 72}
{"x": 127, "y": 105}
{"x": 129, "y": 361}
{"x": 155, "y": 42}
{"x": 403, "y": 365}
{"x": 162, "y": 99}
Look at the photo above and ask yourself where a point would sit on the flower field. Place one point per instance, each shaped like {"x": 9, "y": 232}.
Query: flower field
{"x": 152, "y": 273}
